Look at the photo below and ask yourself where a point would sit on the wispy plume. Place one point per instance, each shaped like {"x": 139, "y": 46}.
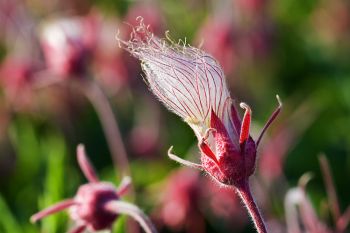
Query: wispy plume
{"x": 191, "y": 83}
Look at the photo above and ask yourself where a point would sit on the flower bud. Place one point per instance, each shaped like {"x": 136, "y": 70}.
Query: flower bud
{"x": 192, "y": 84}
{"x": 89, "y": 209}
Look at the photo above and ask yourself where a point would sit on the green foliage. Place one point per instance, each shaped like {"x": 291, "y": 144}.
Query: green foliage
{"x": 8, "y": 222}
{"x": 55, "y": 181}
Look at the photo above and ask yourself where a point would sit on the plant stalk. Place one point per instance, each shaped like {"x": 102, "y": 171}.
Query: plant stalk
{"x": 248, "y": 200}
{"x": 110, "y": 127}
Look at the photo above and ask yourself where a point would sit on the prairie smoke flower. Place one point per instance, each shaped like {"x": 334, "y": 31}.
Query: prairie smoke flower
{"x": 96, "y": 205}
{"x": 191, "y": 83}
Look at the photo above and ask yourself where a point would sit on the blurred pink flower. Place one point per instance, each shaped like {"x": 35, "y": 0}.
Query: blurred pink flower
{"x": 301, "y": 215}
{"x": 299, "y": 211}
{"x": 96, "y": 205}
{"x": 224, "y": 204}
{"x": 16, "y": 76}
{"x": 67, "y": 44}
{"x": 218, "y": 38}
{"x": 181, "y": 201}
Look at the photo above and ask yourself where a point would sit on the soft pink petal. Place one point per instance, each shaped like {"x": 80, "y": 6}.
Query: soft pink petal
{"x": 52, "y": 209}
{"x": 85, "y": 165}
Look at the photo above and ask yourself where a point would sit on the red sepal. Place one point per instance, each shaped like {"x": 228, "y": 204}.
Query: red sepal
{"x": 208, "y": 152}
{"x": 245, "y": 128}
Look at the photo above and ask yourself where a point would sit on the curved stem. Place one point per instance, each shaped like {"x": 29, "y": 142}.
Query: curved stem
{"x": 121, "y": 207}
{"x": 248, "y": 200}
{"x": 110, "y": 127}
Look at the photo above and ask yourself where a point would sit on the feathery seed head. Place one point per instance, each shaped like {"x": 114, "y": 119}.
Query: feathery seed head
{"x": 191, "y": 83}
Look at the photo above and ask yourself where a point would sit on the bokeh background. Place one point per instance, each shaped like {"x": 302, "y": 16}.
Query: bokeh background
{"x": 53, "y": 52}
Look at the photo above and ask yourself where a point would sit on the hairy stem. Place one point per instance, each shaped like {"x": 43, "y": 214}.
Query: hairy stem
{"x": 248, "y": 200}
{"x": 120, "y": 207}
{"x": 110, "y": 127}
